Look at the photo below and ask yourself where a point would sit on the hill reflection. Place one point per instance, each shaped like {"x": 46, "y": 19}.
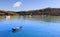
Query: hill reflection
{"x": 32, "y": 18}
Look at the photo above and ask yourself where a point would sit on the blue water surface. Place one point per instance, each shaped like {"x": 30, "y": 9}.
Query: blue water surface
{"x": 32, "y": 27}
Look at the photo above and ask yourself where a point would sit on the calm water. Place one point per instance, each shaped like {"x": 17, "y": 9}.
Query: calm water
{"x": 33, "y": 26}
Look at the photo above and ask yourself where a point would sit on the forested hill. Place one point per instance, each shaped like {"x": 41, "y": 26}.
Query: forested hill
{"x": 45, "y": 11}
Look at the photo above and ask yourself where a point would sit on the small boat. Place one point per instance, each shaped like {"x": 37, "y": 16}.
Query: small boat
{"x": 16, "y": 28}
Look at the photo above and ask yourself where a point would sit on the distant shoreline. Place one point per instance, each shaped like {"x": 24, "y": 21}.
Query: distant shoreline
{"x": 46, "y": 11}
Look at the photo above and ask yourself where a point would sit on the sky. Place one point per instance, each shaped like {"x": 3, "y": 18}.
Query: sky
{"x": 23, "y": 5}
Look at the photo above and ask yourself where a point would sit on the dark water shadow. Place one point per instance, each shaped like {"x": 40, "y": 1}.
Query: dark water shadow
{"x": 16, "y": 31}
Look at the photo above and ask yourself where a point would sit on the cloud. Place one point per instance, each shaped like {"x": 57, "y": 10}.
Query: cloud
{"x": 17, "y": 4}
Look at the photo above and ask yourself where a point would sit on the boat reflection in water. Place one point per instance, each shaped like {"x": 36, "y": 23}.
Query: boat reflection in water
{"x": 8, "y": 17}
{"x": 16, "y": 29}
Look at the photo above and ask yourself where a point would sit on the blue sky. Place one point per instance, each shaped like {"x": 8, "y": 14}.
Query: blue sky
{"x": 18, "y": 5}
